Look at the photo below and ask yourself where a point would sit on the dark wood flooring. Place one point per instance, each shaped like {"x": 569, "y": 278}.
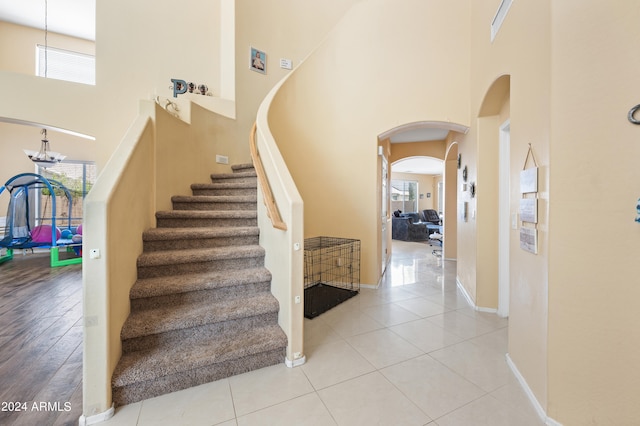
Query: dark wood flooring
{"x": 40, "y": 342}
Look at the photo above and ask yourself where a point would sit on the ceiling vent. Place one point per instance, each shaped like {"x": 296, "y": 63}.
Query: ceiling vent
{"x": 499, "y": 18}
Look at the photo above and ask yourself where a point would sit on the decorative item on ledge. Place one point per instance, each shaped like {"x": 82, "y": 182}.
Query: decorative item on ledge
{"x": 44, "y": 157}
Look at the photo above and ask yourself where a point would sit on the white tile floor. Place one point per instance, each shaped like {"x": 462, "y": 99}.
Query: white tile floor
{"x": 409, "y": 353}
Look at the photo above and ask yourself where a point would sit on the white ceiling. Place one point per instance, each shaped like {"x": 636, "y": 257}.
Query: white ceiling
{"x": 76, "y": 18}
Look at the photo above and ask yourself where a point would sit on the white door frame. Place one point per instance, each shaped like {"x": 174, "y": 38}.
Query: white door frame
{"x": 504, "y": 219}
{"x": 384, "y": 212}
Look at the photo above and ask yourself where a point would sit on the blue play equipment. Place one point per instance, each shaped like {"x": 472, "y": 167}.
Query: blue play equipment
{"x": 24, "y": 229}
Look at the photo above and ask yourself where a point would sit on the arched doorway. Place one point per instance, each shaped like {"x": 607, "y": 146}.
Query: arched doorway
{"x": 434, "y": 140}
{"x": 494, "y": 201}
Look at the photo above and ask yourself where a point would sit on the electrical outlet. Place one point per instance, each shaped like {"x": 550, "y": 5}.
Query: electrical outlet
{"x": 222, "y": 159}
{"x": 297, "y": 299}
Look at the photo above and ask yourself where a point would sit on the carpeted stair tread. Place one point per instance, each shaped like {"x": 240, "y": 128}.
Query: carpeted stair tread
{"x": 242, "y": 167}
{"x": 207, "y": 214}
{"x": 173, "y": 257}
{"x": 152, "y": 364}
{"x": 236, "y": 175}
{"x": 170, "y": 318}
{"x": 225, "y": 185}
{"x": 214, "y": 199}
{"x": 176, "y": 284}
{"x": 163, "y": 234}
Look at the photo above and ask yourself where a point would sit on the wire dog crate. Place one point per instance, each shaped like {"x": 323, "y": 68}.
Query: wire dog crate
{"x": 331, "y": 273}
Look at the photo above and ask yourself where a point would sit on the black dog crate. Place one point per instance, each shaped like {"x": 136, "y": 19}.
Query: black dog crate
{"x": 331, "y": 273}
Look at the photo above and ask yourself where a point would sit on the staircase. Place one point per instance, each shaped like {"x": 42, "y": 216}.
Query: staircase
{"x": 201, "y": 309}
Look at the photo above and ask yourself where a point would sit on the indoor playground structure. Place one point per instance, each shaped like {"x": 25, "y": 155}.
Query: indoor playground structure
{"x": 33, "y": 220}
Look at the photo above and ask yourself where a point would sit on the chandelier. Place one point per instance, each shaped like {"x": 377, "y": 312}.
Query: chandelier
{"x": 44, "y": 157}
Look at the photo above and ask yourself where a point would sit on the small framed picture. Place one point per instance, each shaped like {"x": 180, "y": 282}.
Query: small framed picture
{"x": 258, "y": 61}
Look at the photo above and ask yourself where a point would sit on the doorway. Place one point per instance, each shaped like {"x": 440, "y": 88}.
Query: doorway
{"x": 504, "y": 219}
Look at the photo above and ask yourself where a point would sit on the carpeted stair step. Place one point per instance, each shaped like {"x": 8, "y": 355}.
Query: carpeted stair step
{"x": 187, "y": 238}
{"x": 170, "y": 324}
{"x": 149, "y": 293}
{"x": 225, "y": 188}
{"x": 239, "y": 168}
{"x": 212, "y": 202}
{"x": 145, "y": 374}
{"x": 240, "y": 176}
{"x": 175, "y": 262}
{"x": 204, "y": 218}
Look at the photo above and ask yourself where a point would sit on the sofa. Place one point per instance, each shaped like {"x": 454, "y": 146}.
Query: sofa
{"x": 408, "y": 227}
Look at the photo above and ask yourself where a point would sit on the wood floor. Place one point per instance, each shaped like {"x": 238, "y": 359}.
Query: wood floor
{"x": 40, "y": 342}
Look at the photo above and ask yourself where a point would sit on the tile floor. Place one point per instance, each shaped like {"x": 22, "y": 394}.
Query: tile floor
{"x": 411, "y": 352}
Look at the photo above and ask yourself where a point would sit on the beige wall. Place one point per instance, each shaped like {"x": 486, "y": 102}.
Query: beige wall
{"x": 593, "y": 335}
{"x": 521, "y": 49}
{"x": 349, "y": 146}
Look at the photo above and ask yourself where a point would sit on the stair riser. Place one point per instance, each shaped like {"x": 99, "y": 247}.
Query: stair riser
{"x": 250, "y": 205}
{"x": 198, "y": 267}
{"x": 221, "y": 329}
{"x": 139, "y": 391}
{"x": 203, "y": 223}
{"x": 179, "y": 244}
{"x": 214, "y": 295}
{"x": 225, "y": 192}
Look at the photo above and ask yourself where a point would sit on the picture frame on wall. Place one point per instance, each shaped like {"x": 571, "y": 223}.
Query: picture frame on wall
{"x": 258, "y": 61}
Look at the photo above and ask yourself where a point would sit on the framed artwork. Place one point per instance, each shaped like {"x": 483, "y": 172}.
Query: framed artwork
{"x": 258, "y": 61}
{"x": 529, "y": 240}
{"x": 529, "y": 180}
{"x": 529, "y": 210}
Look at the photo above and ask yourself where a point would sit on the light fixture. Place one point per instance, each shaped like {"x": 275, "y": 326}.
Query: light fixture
{"x": 44, "y": 157}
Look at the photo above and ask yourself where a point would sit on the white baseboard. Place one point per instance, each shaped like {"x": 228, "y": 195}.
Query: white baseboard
{"x": 465, "y": 294}
{"x": 471, "y": 302}
{"x": 96, "y": 418}
{"x": 532, "y": 398}
{"x": 371, "y": 286}
{"x": 296, "y": 362}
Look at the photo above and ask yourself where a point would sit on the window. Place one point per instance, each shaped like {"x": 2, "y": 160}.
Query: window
{"x": 403, "y": 195}
{"x": 499, "y": 17}
{"x": 66, "y": 65}
{"x": 78, "y": 177}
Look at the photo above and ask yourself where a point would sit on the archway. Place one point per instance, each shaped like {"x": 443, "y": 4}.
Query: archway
{"x": 493, "y": 201}
{"x": 435, "y": 140}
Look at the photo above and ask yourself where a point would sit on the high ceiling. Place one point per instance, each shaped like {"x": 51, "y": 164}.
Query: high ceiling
{"x": 76, "y": 18}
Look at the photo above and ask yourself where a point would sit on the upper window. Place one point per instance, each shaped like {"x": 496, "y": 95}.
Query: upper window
{"x": 499, "y": 18}
{"x": 65, "y": 65}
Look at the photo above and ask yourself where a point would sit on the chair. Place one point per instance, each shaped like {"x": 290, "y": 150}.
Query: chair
{"x": 432, "y": 216}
